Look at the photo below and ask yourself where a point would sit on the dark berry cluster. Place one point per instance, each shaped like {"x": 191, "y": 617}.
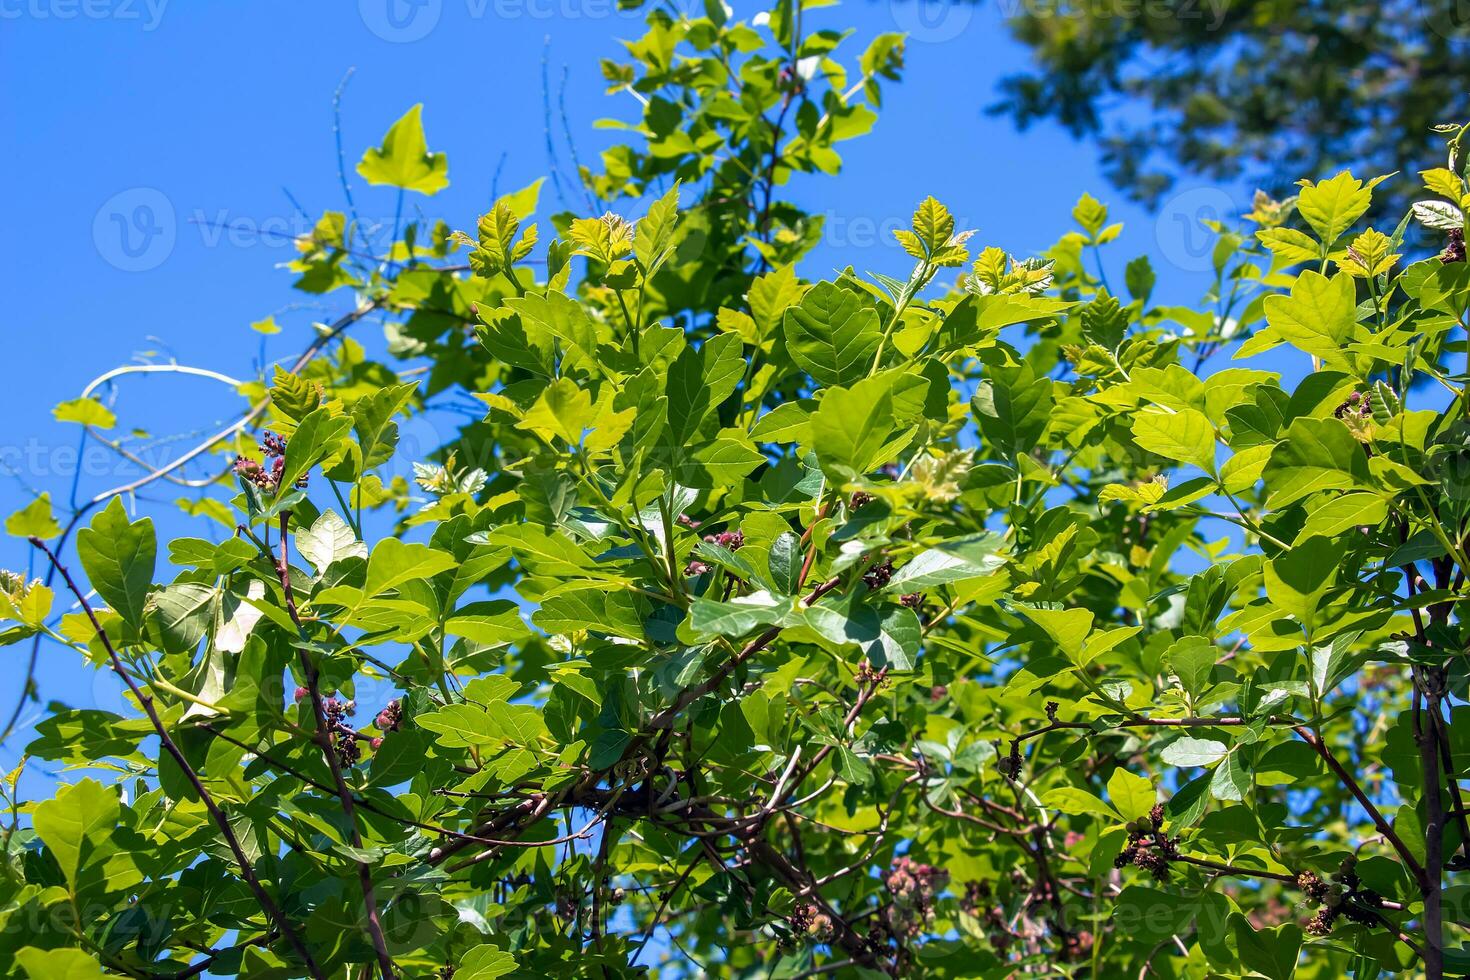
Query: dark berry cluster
{"x": 912, "y": 886}
{"x": 877, "y": 576}
{"x": 1148, "y": 847}
{"x": 1344, "y": 896}
{"x": 810, "y": 923}
{"x": 1009, "y": 765}
{"x": 344, "y": 737}
{"x": 266, "y": 473}
{"x": 914, "y": 600}
{"x": 868, "y": 674}
{"x": 859, "y": 500}
{"x": 1454, "y": 249}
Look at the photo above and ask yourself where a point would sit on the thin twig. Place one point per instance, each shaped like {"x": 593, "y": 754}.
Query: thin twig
{"x": 247, "y": 871}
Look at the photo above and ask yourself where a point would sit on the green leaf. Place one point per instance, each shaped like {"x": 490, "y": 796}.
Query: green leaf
{"x": 1078, "y": 802}
{"x": 1068, "y": 627}
{"x": 118, "y": 557}
{"x": 1272, "y": 953}
{"x": 1188, "y": 751}
{"x": 1185, "y": 436}
{"x": 1332, "y": 206}
{"x": 76, "y": 823}
{"x": 699, "y": 380}
{"x": 1013, "y": 410}
{"x": 394, "y": 562}
{"x": 736, "y": 617}
{"x": 484, "y": 962}
{"x": 832, "y": 335}
{"x": 34, "y": 520}
{"x": 85, "y": 411}
{"x": 1192, "y": 659}
{"x": 314, "y": 438}
{"x": 58, "y": 964}
{"x": 785, "y": 562}
{"x": 562, "y": 410}
{"x": 958, "y": 560}
{"x": 1231, "y": 780}
{"x": 404, "y": 159}
{"x": 329, "y": 540}
{"x": 1132, "y": 796}
{"x": 1317, "y": 454}
{"x": 1318, "y": 317}
{"x": 889, "y": 638}
{"x": 852, "y": 429}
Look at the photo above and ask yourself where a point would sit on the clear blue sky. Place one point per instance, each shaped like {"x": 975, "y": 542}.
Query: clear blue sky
{"x": 199, "y": 124}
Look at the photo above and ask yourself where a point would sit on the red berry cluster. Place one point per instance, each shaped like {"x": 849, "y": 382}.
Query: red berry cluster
{"x": 1345, "y": 897}
{"x": 388, "y": 720}
{"x": 732, "y": 540}
{"x": 914, "y": 600}
{"x": 912, "y": 886}
{"x": 267, "y": 477}
{"x": 391, "y": 717}
{"x": 1148, "y": 847}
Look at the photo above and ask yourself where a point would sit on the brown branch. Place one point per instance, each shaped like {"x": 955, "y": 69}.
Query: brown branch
{"x": 1346, "y": 778}
{"x": 329, "y": 752}
{"x": 247, "y": 871}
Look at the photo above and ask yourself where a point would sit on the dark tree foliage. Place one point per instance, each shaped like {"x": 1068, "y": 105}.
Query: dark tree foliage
{"x": 1262, "y": 89}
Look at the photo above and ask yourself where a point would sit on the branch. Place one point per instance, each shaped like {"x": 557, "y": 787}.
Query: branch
{"x": 324, "y": 740}
{"x": 1346, "y": 778}
{"x": 665, "y": 718}
{"x": 247, "y": 871}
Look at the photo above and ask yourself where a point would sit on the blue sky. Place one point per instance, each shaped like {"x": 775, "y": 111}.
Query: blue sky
{"x": 162, "y": 149}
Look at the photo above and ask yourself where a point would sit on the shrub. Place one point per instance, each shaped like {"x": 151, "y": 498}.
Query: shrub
{"x": 969, "y": 621}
